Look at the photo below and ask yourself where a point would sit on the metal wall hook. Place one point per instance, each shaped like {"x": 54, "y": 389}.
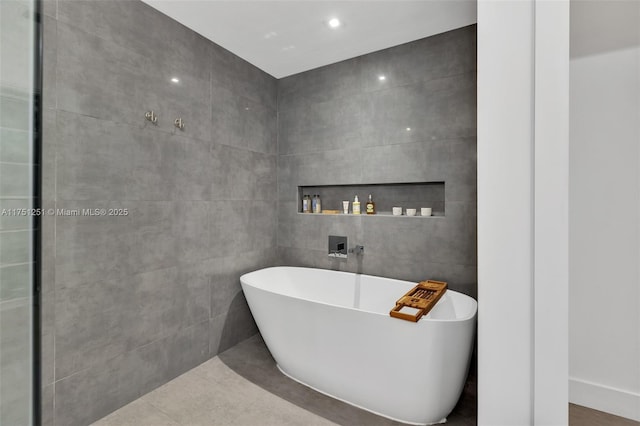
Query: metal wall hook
{"x": 151, "y": 116}
{"x": 179, "y": 123}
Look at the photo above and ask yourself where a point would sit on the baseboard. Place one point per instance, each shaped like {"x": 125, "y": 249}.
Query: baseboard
{"x": 604, "y": 398}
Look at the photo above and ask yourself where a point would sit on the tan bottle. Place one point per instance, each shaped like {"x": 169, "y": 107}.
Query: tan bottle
{"x": 371, "y": 206}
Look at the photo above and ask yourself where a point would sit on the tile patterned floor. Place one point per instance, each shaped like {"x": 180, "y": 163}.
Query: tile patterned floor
{"x": 209, "y": 395}
{"x": 243, "y": 387}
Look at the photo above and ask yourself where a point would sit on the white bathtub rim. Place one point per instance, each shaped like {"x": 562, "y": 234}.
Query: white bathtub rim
{"x": 356, "y": 405}
{"x": 470, "y": 317}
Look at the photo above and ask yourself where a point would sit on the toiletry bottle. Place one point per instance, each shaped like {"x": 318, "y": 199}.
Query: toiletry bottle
{"x": 371, "y": 206}
{"x": 318, "y": 204}
{"x": 306, "y": 204}
{"x": 314, "y": 204}
{"x": 356, "y": 205}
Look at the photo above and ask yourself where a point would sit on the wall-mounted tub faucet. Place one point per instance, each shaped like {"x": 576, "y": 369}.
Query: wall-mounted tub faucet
{"x": 357, "y": 250}
{"x": 337, "y": 246}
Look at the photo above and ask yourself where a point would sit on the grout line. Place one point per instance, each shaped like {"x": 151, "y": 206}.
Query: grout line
{"x": 159, "y": 409}
{"x": 7, "y": 231}
{"x": 130, "y": 351}
{"x": 4, "y": 265}
{"x": 416, "y": 142}
{"x": 363, "y": 92}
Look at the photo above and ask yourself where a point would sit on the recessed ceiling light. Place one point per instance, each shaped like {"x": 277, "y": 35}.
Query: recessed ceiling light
{"x": 408, "y": 129}
{"x": 382, "y": 77}
{"x": 175, "y": 80}
{"x": 334, "y": 22}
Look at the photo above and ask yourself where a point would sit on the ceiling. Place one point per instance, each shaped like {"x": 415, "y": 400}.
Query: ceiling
{"x": 288, "y": 37}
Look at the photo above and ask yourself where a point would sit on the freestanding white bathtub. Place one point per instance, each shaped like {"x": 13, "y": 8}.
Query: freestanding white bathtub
{"x": 332, "y": 332}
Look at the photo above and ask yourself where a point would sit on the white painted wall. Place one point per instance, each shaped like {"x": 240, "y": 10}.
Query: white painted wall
{"x": 604, "y": 308}
{"x": 505, "y": 212}
{"x": 523, "y": 67}
{"x": 551, "y": 214}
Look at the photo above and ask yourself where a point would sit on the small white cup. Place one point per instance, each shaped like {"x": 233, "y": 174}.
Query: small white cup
{"x": 425, "y": 211}
{"x": 411, "y": 212}
{"x": 397, "y": 211}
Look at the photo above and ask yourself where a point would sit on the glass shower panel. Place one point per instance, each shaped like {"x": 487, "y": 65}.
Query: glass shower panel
{"x": 18, "y": 103}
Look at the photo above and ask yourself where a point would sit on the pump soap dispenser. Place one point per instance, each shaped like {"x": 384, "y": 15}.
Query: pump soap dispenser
{"x": 356, "y": 205}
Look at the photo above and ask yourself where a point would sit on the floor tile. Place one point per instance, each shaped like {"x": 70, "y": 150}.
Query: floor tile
{"x": 213, "y": 394}
{"x": 137, "y": 413}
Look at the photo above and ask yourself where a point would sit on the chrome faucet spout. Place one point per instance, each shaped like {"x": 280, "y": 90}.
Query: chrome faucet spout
{"x": 357, "y": 250}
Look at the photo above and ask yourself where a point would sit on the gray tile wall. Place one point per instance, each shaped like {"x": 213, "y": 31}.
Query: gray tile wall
{"x": 342, "y": 125}
{"x": 133, "y": 301}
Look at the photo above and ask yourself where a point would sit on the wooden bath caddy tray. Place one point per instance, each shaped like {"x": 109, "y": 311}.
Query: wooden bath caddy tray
{"x": 419, "y": 300}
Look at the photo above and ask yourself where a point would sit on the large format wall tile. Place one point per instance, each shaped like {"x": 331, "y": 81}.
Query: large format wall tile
{"x": 49, "y": 154}
{"x": 133, "y": 25}
{"x": 47, "y": 343}
{"x": 104, "y": 160}
{"x": 236, "y": 323}
{"x": 50, "y": 8}
{"x": 240, "y": 174}
{"x": 231, "y": 327}
{"x": 425, "y": 111}
{"x": 410, "y": 162}
{"x": 340, "y": 80}
{"x": 92, "y": 248}
{"x": 98, "y": 321}
{"x": 128, "y": 299}
{"x": 306, "y": 231}
{"x": 462, "y": 175}
{"x": 152, "y": 235}
{"x": 241, "y": 122}
{"x": 323, "y": 168}
{"x": 323, "y": 126}
{"x": 233, "y": 73}
{"x": 47, "y": 396}
{"x": 95, "y": 162}
{"x": 102, "y": 79}
{"x": 93, "y": 393}
{"x": 237, "y": 227}
{"x": 442, "y": 55}
{"x": 342, "y": 125}
{"x": 436, "y": 109}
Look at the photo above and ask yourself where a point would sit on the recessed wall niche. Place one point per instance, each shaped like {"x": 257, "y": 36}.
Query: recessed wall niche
{"x": 413, "y": 195}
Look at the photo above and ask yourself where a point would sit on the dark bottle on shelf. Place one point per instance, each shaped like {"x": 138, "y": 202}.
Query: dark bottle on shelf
{"x": 371, "y": 206}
